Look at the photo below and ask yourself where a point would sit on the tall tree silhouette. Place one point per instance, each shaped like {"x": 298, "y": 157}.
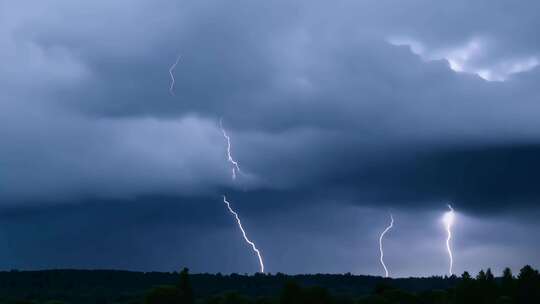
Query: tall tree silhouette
{"x": 528, "y": 286}
{"x": 508, "y": 283}
{"x": 184, "y": 286}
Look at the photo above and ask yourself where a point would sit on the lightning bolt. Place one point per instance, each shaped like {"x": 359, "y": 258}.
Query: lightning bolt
{"x": 235, "y": 167}
{"x": 235, "y": 170}
{"x": 381, "y": 244}
{"x": 449, "y": 220}
{"x": 244, "y": 234}
{"x": 171, "y": 70}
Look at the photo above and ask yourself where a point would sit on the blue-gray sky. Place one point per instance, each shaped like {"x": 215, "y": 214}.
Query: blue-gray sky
{"x": 339, "y": 113}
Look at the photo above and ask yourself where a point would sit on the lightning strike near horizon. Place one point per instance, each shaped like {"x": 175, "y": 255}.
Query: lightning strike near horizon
{"x": 381, "y": 244}
{"x": 235, "y": 167}
{"x": 449, "y": 221}
{"x": 261, "y": 264}
{"x": 171, "y": 70}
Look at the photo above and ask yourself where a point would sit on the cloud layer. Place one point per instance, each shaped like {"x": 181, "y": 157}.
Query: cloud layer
{"x": 351, "y": 105}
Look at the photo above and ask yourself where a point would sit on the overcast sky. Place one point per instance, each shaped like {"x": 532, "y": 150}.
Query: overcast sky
{"x": 338, "y": 113}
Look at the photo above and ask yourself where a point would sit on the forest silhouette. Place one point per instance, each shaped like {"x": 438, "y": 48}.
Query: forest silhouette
{"x": 125, "y": 287}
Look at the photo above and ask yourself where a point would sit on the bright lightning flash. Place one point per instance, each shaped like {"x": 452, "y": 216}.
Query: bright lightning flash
{"x": 235, "y": 167}
{"x": 381, "y": 244}
{"x": 171, "y": 70}
{"x": 448, "y": 220}
{"x": 244, "y": 233}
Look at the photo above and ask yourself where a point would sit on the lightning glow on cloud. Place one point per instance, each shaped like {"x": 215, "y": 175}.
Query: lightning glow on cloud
{"x": 467, "y": 58}
{"x": 257, "y": 252}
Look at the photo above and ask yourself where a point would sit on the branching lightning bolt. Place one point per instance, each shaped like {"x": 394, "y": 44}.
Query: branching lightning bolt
{"x": 449, "y": 220}
{"x": 171, "y": 70}
{"x": 235, "y": 167}
{"x": 244, "y": 233}
{"x": 381, "y": 244}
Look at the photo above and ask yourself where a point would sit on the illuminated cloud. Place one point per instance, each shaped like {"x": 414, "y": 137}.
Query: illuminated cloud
{"x": 465, "y": 58}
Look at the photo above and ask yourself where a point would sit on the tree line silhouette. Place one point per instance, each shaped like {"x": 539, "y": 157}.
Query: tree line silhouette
{"x": 124, "y": 287}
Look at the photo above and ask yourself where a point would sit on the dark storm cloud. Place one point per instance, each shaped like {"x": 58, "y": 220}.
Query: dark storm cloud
{"x": 318, "y": 97}
{"x": 332, "y": 109}
{"x": 479, "y": 180}
{"x": 136, "y": 234}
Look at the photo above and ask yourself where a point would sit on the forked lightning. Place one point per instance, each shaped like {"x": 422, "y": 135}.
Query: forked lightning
{"x": 381, "y": 244}
{"x": 171, "y": 70}
{"x": 261, "y": 264}
{"x": 235, "y": 167}
{"x": 449, "y": 221}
